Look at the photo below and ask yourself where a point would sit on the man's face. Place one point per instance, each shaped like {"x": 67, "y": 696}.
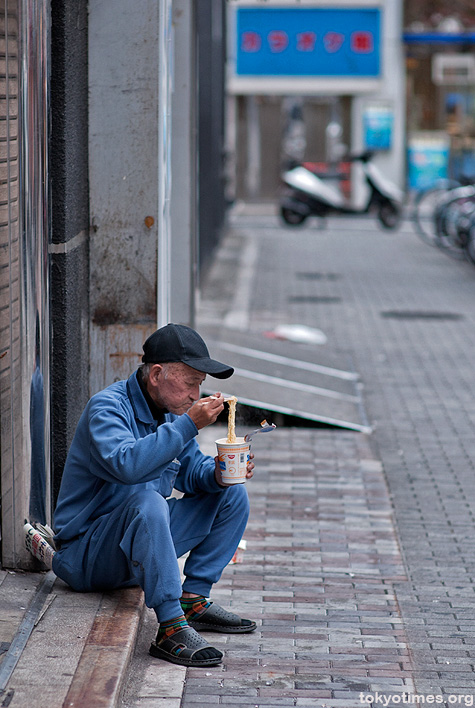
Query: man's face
{"x": 174, "y": 386}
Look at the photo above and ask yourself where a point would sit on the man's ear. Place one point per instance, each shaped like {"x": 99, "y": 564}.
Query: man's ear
{"x": 155, "y": 372}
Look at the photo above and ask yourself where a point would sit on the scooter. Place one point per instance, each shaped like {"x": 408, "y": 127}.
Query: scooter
{"x": 310, "y": 195}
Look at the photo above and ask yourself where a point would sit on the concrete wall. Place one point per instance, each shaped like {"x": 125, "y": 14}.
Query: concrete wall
{"x": 142, "y": 174}
{"x": 123, "y": 173}
{"x": 123, "y": 113}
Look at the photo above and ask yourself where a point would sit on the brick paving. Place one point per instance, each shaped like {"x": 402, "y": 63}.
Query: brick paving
{"x": 318, "y": 575}
{"x": 360, "y": 563}
{"x": 354, "y": 281}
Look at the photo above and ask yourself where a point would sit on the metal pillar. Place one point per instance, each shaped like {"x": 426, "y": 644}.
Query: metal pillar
{"x": 183, "y": 259}
{"x": 165, "y": 67}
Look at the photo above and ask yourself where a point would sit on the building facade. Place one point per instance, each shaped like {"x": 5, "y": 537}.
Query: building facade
{"x": 325, "y": 78}
{"x": 99, "y": 108}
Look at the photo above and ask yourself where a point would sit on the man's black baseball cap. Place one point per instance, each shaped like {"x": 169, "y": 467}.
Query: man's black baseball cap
{"x": 176, "y": 342}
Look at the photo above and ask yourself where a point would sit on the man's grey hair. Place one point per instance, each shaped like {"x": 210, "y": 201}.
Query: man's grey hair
{"x": 145, "y": 370}
{"x": 167, "y": 366}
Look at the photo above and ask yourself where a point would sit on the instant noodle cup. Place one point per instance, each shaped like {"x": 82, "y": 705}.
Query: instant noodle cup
{"x": 233, "y": 459}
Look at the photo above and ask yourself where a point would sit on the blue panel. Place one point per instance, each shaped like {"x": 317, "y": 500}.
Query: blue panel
{"x": 439, "y": 38}
{"x": 308, "y": 42}
{"x": 428, "y": 162}
{"x": 378, "y": 124}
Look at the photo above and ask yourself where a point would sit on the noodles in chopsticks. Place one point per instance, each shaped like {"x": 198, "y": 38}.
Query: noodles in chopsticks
{"x": 232, "y": 420}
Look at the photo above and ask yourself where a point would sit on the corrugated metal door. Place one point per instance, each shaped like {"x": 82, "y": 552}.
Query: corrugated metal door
{"x": 24, "y": 319}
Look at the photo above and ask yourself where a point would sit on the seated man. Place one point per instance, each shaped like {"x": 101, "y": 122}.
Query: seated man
{"x": 115, "y": 523}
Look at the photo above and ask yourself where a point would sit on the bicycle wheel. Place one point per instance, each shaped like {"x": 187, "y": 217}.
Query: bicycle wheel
{"x": 451, "y": 238}
{"x": 446, "y": 233}
{"x": 425, "y": 206}
{"x": 470, "y": 247}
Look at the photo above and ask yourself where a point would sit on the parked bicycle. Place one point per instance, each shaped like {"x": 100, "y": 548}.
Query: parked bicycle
{"x": 425, "y": 205}
{"x": 443, "y": 216}
{"x": 470, "y": 236}
{"x": 452, "y": 217}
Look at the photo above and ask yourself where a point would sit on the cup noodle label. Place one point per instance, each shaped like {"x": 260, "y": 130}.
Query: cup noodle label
{"x": 233, "y": 463}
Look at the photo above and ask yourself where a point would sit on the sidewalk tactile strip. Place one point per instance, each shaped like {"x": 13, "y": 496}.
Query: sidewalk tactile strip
{"x": 316, "y": 275}
{"x": 317, "y": 299}
{"x": 318, "y": 573}
{"x": 421, "y": 315}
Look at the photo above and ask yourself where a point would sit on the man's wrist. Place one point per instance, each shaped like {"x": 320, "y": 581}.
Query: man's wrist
{"x": 188, "y": 416}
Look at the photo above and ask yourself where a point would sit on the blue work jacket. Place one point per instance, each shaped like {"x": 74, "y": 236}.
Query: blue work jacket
{"x": 118, "y": 449}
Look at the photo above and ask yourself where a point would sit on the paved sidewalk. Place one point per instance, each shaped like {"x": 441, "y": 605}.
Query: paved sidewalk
{"x": 318, "y": 575}
{"x": 404, "y": 313}
{"x": 361, "y": 556}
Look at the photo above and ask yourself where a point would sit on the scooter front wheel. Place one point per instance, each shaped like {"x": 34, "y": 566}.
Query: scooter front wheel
{"x": 389, "y": 214}
{"x": 291, "y": 217}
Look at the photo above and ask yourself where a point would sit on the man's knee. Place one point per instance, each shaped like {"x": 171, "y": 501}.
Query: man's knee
{"x": 238, "y": 498}
{"x": 149, "y": 505}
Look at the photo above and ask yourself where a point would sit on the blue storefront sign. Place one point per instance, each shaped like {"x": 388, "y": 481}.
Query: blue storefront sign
{"x": 427, "y": 159}
{"x": 308, "y": 42}
{"x": 378, "y": 120}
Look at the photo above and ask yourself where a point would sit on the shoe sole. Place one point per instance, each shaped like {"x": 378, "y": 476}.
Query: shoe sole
{"x": 160, "y": 654}
{"x": 222, "y": 629}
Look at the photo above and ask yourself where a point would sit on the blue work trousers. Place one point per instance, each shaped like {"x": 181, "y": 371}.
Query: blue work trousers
{"x": 139, "y": 542}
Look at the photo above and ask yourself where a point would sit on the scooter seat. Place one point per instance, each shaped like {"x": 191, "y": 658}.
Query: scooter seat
{"x": 304, "y": 180}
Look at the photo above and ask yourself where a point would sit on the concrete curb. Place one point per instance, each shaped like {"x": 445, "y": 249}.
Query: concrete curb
{"x": 99, "y": 678}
